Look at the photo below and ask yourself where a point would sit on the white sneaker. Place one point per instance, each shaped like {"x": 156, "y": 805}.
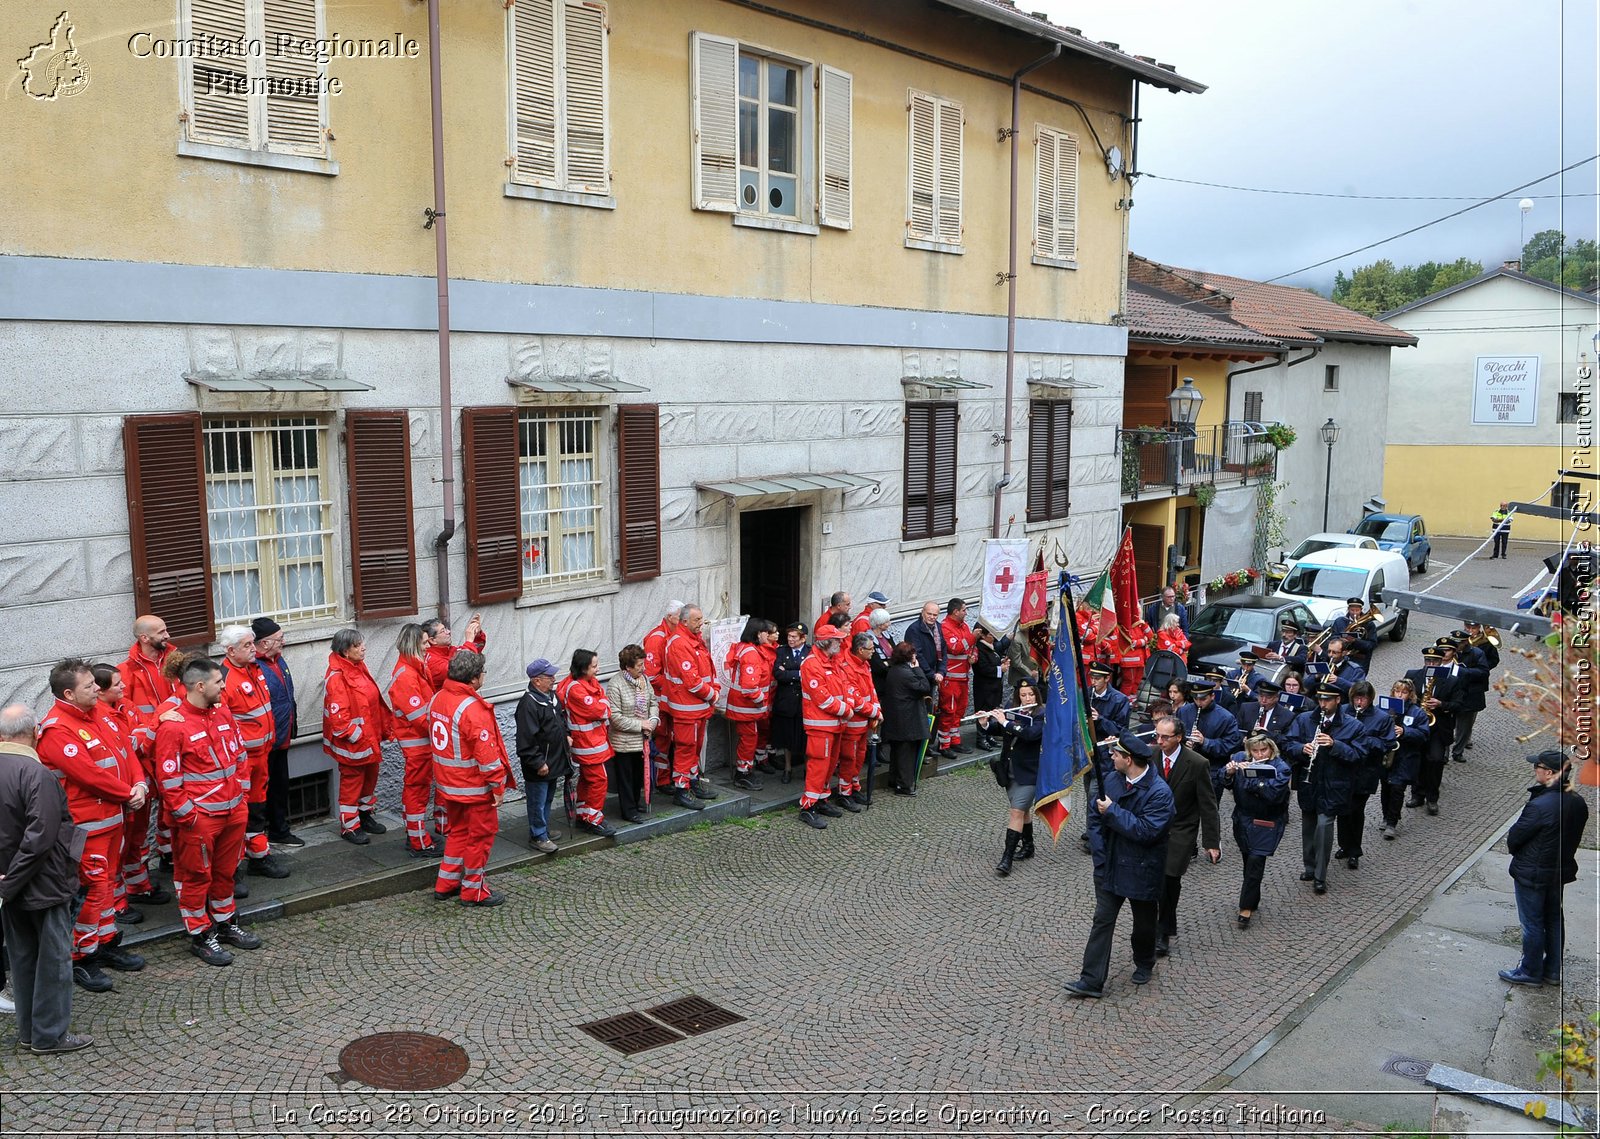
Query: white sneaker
{"x": 7, "y": 1005}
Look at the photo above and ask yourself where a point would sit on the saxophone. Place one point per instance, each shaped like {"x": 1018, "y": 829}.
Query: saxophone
{"x": 1427, "y": 694}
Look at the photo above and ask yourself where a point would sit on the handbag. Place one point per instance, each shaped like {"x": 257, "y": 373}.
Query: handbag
{"x": 1001, "y": 766}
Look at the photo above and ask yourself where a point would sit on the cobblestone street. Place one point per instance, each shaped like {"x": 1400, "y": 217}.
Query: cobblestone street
{"x": 878, "y": 963}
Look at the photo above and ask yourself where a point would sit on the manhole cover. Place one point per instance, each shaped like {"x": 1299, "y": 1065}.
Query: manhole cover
{"x": 694, "y": 1015}
{"x": 1409, "y": 1067}
{"x": 403, "y": 1061}
{"x": 631, "y": 1032}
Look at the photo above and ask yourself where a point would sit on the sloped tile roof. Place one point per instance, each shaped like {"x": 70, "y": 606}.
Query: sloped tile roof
{"x": 1154, "y": 314}
{"x": 1296, "y": 315}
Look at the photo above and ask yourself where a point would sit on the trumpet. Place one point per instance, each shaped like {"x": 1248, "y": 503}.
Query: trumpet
{"x": 1488, "y": 636}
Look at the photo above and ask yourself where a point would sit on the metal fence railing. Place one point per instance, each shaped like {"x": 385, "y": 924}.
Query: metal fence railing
{"x": 1162, "y": 461}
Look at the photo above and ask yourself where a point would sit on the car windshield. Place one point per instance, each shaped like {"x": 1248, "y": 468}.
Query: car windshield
{"x": 1254, "y": 625}
{"x": 1325, "y": 581}
{"x": 1312, "y": 546}
{"x": 1385, "y": 530}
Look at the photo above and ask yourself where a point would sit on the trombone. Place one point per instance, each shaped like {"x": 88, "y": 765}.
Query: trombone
{"x": 1488, "y": 635}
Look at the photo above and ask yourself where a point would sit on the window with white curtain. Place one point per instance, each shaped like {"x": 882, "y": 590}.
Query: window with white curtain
{"x": 269, "y": 509}
{"x": 563, "y": 513}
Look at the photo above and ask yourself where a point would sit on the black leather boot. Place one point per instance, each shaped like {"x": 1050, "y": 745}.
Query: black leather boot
{"x": 1025, "y": 846}
{"x": 1004, "y": 868}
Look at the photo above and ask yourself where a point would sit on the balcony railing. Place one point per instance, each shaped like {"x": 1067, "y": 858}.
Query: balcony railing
{"x": 1157, "y": 462}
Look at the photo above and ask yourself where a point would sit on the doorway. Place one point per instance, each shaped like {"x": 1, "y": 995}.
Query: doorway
{"x": 769, "y": 563}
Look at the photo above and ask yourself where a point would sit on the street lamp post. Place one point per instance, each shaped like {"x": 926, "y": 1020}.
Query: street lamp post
{"x": 1330, "y": 436}
{"x": 1183, "y": 408}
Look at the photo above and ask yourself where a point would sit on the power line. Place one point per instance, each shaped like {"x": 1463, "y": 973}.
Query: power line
{"x": 1360, "y": 197}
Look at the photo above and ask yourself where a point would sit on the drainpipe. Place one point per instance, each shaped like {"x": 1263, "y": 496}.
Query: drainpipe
{"x": 441, "y": 247}
{"x": 1011, "y": 286}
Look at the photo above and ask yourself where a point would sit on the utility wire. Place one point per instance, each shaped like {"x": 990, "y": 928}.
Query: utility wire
{"x": 1361, "y": 197}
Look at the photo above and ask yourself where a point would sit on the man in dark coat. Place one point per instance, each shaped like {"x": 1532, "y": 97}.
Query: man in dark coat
{"x": 1128, "y": 828}
{"x": 1475, "y": 670}
{"x": 1157, "y": 611}
{"x": 1448, "y": 696}
{"x": 928, "y": 639}
{"x": 1544, "y": 846}
{"x": 1194, "y": 814}
{"x": 1379, "y": 730}
{"x": 1488, "y": 659}
{"x": 543, "y": 750}
{"x": 1325, "y": 746}
{"x": 1265, "y": 716}
{"x": 1363, "y": 641}
{"x": 39, "y": 853}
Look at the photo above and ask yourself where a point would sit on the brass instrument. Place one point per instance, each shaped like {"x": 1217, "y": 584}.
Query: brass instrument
{"x": 1427, "y": 694}
{"x": 1371, "y": 616}
{"x": 1489, "y": 635}
{"x": 1394, "y": 741}
{"x": 1314, "y": 646}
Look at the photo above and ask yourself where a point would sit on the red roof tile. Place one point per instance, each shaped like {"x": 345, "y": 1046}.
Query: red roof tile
{"x": 1292, "y": 314}
{"x": 1154, "y": 314}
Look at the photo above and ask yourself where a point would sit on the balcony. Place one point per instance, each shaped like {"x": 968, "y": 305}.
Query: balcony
{"x": 1158, "y": 462}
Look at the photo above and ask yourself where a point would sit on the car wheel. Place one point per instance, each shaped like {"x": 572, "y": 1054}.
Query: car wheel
{"x": 1398, "y": 632}
{"x": 1423, "y": 568}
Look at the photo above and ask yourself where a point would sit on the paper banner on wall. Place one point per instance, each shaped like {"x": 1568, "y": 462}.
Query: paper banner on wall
{"x": 720, "y": 636}
{"x": 1005, "y": 572}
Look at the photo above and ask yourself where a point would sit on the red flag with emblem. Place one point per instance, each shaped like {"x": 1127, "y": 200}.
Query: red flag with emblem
{"x": 1125, "y": 586}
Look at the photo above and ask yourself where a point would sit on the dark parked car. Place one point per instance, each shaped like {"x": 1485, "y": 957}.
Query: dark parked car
{"x": 1225, "y": 628}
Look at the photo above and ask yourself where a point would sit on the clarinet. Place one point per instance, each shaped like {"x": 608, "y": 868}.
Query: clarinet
{"x": 1323, "y": 725}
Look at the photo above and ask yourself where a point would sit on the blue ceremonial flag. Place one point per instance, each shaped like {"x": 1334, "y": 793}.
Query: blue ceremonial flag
{"x": 1066, "y": 748}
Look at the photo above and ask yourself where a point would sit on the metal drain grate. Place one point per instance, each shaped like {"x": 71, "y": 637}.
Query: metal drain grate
{"x": 1409, "y": 1067}
{"x": 403, "y": 1061}
{"x": 631, "y": 1032}
{"x": 694, "y": 1015}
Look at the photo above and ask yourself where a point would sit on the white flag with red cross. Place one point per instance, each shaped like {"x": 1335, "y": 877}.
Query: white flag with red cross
{"x": 1005, "y": 572}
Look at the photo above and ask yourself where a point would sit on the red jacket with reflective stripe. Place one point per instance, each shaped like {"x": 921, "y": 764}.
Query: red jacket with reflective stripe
{"x": 588, "y": 718}
{"x": 655, "y": 656}
{"x": 244, "y": 691}
{"x": 146, "y": 689}
{"x": 196, "y": 760}
{"x": 354, "y": 718}
{"x": 750, "y": 692}
{"x": 959, "y": 648}
{"x": 76, "y": 746}
{"x": 857, "y": 675}
{"x": 410, "y": 692}
{"x": 691, "y": 678}
{"x": 120, "y": 722}
{"x": 438, "y": 658}
{"x": 469, "y": 757}
{"x": 824, "y": 700}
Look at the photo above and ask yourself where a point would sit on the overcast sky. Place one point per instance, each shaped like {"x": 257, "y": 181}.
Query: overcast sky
{"x": 1413, "y": 97}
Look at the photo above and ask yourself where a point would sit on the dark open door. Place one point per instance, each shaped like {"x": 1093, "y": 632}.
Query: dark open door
{"x": 769, "y": 564}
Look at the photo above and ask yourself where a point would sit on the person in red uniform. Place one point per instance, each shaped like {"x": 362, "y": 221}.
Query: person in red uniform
{"x": 471, "y": 774}
{"x": 440, "y": 650}
{"x": 960, "y": 648}
{"x": 589, "y": 722}
{"x": 1135, "y": 642}
{"x": 196, "y": 758}
{"x": 865, "y": 715}
{"x": 74, "y": 744}
{"x": 355, "y": 723}
{"x": 749, "y": 663}
{"x": 825, "y": 705}
{"x": 147, "y": 687}
{"x": 120, "y": 723}
{"x": 863, "y": 623}
{"x": 691, "y": 693}
{"x": 410, "y": 692}
{"x": 1170, "y": 637}
{"x": 655, "y": 663}
{"x": 246, "y": 696}
{"x": 837, "y": 613}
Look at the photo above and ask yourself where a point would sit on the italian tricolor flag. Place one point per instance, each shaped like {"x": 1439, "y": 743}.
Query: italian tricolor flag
{"x": 1102, "y": 602}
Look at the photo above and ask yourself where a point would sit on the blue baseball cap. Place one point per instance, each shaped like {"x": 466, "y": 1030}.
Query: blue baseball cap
{"x": 541, "y": 667}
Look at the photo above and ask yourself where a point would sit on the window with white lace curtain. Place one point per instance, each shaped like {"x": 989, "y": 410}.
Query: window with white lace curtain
{"x": 563, "y": 512}
{"x": 269, "y": 510}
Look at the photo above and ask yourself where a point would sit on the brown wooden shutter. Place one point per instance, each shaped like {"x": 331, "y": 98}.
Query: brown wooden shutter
{"x": 1144, "y": 394}
{"x": 382, "y": 547}
{"x": 494, "y": 503}
{"x": 1049, "y": 459}
{"x": 1149, "y": 556}
{"x": 167, "y": 523}
{"x": 930, "y": 471}
{"x": 639, "y": 489}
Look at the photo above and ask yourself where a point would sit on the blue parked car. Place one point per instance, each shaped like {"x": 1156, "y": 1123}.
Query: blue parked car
{"x": 1405, "y": 534}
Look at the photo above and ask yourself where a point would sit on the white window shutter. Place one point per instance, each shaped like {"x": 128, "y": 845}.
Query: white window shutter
{"x": 216, "y": 115}
{"x": 295, "y": 123}
{"x": 533, "y": 94}
{"x": 921, "y": 220}
{"x": 714, "y": 121}
{"x": 1044, "y": 194}
{"x": 949, "y": 214}
{"x": 588, "y": 166}
{"x": 835, "y": 148}
{"x": 1066, "y": 197}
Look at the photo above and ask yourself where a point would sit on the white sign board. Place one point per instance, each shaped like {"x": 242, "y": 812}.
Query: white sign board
{"x": 1505, "y": 391}
{"x": 720, "y": 636}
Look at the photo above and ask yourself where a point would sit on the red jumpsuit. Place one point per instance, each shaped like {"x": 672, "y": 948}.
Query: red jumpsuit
{"x": 1135, "y": 642}
{"x": 245, "y": 693}
{"x": 471, "y": 773}
{"x": 354, "y": 723}
{"x": 197, "y": 762}
{"x": 824, "y": 707}
{"x": 960, "y": 647}
{"x": 75, "y": 745}
{"x": 691, "y": 683}
{"x": 750, "y": 699}
{"x": 437, "y": 661}
{"x": 145, "y": 688}
{"x": 119, "y": 723}
{"x": 589, "y": 720}
{"x": 409, "y": 697}
{"x": 864, "y": 709}
{"x": 655, "y": 663}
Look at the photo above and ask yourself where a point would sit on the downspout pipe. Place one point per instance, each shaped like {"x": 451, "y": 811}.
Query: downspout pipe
{"x": 1284, "y": 360}
{"x": 1011, "y": 287}
{"x": 441, "y": 247}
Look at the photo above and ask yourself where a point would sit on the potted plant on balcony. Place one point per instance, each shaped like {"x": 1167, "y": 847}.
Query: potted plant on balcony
{"x": 1205, "y": 494}
{"x": 1280, "y": 435}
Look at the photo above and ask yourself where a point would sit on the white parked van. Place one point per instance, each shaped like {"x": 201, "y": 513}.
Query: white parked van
{"x": 1325, "y": 581}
